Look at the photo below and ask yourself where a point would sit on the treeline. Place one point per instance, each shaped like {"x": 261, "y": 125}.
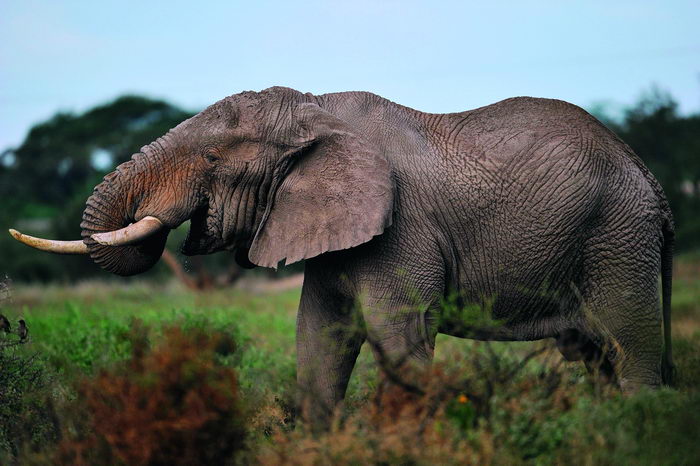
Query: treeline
{"x": 45, "y": 181}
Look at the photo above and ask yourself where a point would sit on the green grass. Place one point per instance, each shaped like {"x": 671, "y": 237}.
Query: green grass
{"x": 80, "y": 330}
{"x": 77, "y": 330}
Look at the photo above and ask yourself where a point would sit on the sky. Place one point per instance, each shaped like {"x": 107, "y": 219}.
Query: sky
{"x": 436, "y": 56}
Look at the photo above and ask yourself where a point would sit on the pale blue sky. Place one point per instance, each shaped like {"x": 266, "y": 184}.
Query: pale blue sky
{"x": 433, "y": 56}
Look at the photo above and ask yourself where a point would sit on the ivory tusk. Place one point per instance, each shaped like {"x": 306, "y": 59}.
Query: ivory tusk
{"x": 134, "y": 233}
{"x": 58, "y": 247}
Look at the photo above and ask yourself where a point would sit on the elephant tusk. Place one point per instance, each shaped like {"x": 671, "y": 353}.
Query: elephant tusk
{"x": 134, "y": 233}
{"x": 58, "y": 247}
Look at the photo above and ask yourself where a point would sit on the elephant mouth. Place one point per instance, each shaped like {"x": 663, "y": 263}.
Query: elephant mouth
{"x": 202, "y": 238}
{"x": 199, "y": 238}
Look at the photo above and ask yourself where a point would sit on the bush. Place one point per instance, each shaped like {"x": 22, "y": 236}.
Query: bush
{"x": 505, "y": 408}
{"x": 173, "y": 404}
{"x": 27, "y": 419}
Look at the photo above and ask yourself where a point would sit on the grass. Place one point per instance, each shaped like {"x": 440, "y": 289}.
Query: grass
{"x": 86, "y": 328}
{"x": 80, "y": 330}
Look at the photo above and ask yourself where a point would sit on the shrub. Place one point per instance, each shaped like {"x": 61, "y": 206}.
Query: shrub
{"x": 27, "y": 419}
{"x": 505, "y": 408}
{"x": 173, "y": 404}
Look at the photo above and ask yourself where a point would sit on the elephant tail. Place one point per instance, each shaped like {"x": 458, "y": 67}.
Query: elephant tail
{"x": 668, "y": 369}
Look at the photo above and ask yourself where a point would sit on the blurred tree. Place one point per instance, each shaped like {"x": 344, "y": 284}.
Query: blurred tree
{"x": 69, "y": 152}
{"x": 44, "y": 182}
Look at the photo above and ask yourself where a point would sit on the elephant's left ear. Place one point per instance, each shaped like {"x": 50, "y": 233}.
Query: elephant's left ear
{"x": 336, "y": 192}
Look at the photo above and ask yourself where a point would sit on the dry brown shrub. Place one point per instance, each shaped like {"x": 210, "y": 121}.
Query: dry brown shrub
{"x": 173, "y": 404}
{"x": 396, "y": 427}
{"x": 460, "y": 413}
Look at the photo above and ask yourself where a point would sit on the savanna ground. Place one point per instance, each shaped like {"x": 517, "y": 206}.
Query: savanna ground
{"x": 153, "y": 374}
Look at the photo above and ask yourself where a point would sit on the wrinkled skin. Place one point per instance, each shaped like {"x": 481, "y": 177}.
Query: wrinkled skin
{"x": 529, "y": 209}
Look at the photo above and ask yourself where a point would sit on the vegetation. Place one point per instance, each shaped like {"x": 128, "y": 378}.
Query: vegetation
{"x": 482, "y": 403}
{"x": 176, "y": 403}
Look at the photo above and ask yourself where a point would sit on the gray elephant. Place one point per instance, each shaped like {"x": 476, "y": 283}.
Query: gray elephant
{"x": 528, "y": 209}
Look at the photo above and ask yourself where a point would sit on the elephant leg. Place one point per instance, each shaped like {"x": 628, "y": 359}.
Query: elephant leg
{"x": 401, "y": 300}
{"x": 624, "y": 355}
{"x": 401, "y": 332}
{"x": 575, "y": 346}
{"x": 636, "y": 359}
{"x": 329, "y": 336}
{"x": 622, "y": 314}
{"x": 598, "y": 363}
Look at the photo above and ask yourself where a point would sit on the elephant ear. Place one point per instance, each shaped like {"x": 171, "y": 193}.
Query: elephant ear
{"x": 338, "y": 193}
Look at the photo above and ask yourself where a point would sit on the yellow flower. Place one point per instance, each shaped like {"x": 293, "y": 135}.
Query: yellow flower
{"x": 462, "y": 398}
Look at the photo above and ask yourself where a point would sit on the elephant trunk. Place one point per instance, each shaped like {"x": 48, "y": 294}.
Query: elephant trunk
{"x": 113, "y": 206}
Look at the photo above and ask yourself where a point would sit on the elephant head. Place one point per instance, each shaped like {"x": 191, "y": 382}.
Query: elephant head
{"x": 271, "y": 174}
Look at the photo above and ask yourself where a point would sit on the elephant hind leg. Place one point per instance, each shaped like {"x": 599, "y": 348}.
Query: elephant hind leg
{"x": 571, "y": 344}
{"x": 576, "y": 346}
{"x": 598, "y": 363}
{"x": 625, "y": 329}
{"x": 628, "y": 363}
{"x": 621, "y": 313}
{"x": 619, "y": 286}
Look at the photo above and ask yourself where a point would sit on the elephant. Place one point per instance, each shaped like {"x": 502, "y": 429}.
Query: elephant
{"x": 528, "y": 210}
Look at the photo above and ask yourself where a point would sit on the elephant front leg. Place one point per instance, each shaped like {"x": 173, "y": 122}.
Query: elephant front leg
{"x": 400, "y": 301}
{"x": 329, "y": 336}
{"x": 402, "y": 341}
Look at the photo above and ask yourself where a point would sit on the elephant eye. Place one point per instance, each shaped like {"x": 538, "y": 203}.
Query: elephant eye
{"x": 212, "y": 157}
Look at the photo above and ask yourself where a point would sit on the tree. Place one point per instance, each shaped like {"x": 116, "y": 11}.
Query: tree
{"x": 53, "y": 171}
{"x": 63, "y": 155}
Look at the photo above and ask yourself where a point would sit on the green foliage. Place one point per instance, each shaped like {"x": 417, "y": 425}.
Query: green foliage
{"x": 541, "y": 412}
{"x": 652, "y": 427}
{"x": 26, "y": 412}
{"x": 82, "y": 339}
{"x": 57, "y": 159}
{"x": 462, "y": 412}
{"x": 81, "y": 333}
{"x": 466, "y": 319}
{"x": 687, "y": 356}
{"x": 86, "y": 331}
